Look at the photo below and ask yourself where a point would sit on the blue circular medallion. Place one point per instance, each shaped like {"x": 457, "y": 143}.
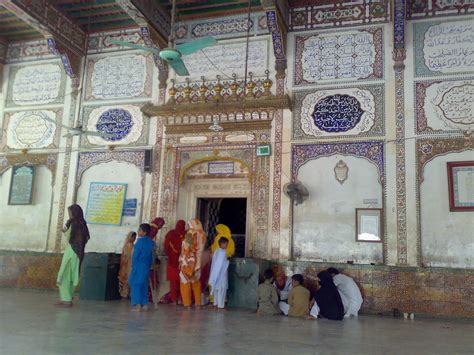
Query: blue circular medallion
{"x": 116, "y": 122}
{"x": 337, "y": 113}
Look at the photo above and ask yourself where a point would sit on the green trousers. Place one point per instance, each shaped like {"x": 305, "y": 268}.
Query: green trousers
{"x": 68, "y": 276}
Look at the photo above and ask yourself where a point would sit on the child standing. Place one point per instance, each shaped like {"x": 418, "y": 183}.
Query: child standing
{"x": 218, "y": 276}
{"x": 143, "y": 253}
{"x": 267, "y": 295}
{"x": 126, "y": 265}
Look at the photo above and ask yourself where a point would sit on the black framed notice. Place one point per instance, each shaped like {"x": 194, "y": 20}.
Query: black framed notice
{"x": 21, "y": 185}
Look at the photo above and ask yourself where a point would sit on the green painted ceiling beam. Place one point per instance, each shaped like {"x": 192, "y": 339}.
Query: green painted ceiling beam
{"x": 102, "y": 25}
{"x": 87, "y": 12}
{"x": 85, "y": 5}
{"x": 223, "y": 9}
{"x": 100, "y": 19}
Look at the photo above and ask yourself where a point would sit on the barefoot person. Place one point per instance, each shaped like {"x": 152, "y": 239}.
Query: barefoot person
{"x": 349, "y": 292}
{"x": 78, "y": 234}
{"x": 126, "y": 265}
{"x": 298, "y": 299}
{"x": 218, "y": 277}
{"x": 143, "y": 253}
{"x": 190, "y": 262}
{"x": 155, "y": 225}
{"x": 267, "y": 295}
{"x": 328, "y": 303}
{"x": 172, "y": 246}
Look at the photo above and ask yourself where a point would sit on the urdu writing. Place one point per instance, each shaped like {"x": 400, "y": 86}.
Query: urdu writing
{"x": 38, "y": 84}
{"x": 105, "y": 203}
{"x": 21, "y": 188}
{"x": 115, "y": 77}
{"x": 449, "y": 47}
{"x": 327, "y": 57}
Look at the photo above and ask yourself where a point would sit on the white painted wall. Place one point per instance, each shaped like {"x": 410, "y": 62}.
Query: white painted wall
{"x": 324, "y": 225}
{"x": 447, "y": 238}
{"x": 110, "y": 238}
{"x": 25, "y": 227}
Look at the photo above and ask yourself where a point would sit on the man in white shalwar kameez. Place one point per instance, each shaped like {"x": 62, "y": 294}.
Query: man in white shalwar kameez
{"x": 349, "y": 292}
{"x": 218, "y": 276}
{"x": 283, "y": 286}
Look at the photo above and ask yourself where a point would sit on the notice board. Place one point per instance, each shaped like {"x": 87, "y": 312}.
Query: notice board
{"x": 105, "y": 203}
{"x": 21, "y": 185}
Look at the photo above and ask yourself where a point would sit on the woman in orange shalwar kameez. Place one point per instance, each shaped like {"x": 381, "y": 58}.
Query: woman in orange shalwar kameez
{"x": 190, "y": 263}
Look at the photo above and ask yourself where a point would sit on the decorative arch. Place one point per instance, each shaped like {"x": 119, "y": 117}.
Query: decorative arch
{"x": 371, "y": 151}
{"x": 47, "y": 160}
{"x": 89, "y": 159}
{"x": 428, "y": 149}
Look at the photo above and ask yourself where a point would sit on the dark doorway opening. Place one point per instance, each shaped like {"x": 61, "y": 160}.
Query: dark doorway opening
{"x": 229, "y": 211}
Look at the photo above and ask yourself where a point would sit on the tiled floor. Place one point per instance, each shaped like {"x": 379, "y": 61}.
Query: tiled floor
{"x": 30, "y": 324}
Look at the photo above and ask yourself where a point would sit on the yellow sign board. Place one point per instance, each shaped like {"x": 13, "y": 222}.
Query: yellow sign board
{"x": 105, "y": 203}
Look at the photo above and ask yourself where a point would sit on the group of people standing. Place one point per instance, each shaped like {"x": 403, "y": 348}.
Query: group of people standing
{"x": 196, "y": 269}
{"x": 190, "y": 272}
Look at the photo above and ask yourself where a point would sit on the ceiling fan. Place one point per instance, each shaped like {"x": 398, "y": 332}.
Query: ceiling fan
{"x": 77, "y": 131}
{"x": 173, "y": 54}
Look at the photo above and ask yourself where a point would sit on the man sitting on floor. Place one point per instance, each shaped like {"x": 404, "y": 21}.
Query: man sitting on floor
{"x": 298, "y": 299}
{"x": 267, "y": 295}
{"x": 350, "y": 293}
{"x": 282, "y": 285}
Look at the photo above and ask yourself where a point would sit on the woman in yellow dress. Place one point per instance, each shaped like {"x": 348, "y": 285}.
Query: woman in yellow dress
{"x": 223, "y": 231}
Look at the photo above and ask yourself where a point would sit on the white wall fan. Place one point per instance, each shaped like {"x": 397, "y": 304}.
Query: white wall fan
{"x": 174, "y": 53}
{"x": 77, "y": 131}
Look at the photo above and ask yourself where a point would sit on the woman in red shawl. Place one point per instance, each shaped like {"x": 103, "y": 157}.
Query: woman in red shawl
{"x": 173, "y": 240}
{"x": 156, "y": 225}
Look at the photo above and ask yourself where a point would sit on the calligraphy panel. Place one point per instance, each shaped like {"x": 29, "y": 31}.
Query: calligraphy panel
{"x": 348, "y": 55}
{"x": 352, "y": 111}
{"x": 21, "y": 185}
{"x": 220, "y": 28}
{"x": 444, "y": 105}
{"x": 28, "y": 50}
{"x": 31, "y": 129}
{"x": 36, "y": 85}
{"x": 320, "y": 14}
{"x": 105, "y": 203}
{"x": 444, "y": 47}
{"x": 124, "y": 123}
{"x": 436, "y": 8}
{"x": 125, "y": 76}
{"x": 101, "y": 42}
{"x": 228, "y": 58}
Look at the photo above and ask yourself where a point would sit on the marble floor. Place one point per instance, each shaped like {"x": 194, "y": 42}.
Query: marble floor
{"x": 30, "y": 324}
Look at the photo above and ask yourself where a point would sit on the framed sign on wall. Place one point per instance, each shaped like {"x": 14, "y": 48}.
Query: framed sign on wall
{"x": 369, "y": 225}
{"x": 461, "y": 186}
{"x": 21, "y": 185}
{"x": 220, "y": 168}
{"x": 105, "y": 203}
